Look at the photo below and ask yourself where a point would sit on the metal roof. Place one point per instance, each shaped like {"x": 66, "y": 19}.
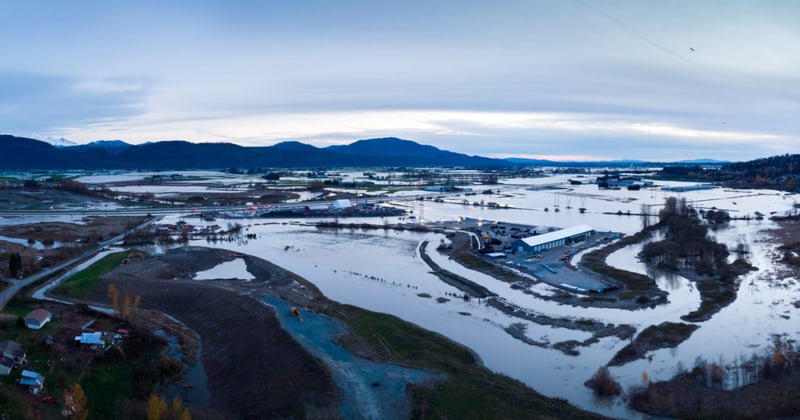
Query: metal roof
{"x": 39, "y": 315}
{"x": 90, "y": 338}
{"x": 554, "y": 236}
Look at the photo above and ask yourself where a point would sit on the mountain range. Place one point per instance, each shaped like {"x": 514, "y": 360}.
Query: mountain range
{"x": 20, "y": 153}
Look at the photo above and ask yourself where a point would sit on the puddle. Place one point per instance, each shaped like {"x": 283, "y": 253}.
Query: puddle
{"x": 236, "y": 269}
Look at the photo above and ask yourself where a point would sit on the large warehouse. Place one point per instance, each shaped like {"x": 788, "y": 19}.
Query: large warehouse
{"x": 554, "y": 239}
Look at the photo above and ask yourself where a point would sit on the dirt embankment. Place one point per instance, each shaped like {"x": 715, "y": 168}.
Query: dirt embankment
{"x": 255, "y": 369}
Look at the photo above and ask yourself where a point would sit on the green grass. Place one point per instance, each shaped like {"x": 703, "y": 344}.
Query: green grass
{"x": 469, "y": 390}
{"x": 81, "y": 285}
{"x": 104, "y": 385}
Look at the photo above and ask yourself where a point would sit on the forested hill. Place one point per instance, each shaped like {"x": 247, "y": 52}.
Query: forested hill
{"x": 777, "y": 172}
{"x": 19, "y": 153}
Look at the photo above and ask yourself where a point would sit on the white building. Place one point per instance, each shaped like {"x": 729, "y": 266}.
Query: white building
{"x": 37, "y": 318}
{"x": 545, "y": 241}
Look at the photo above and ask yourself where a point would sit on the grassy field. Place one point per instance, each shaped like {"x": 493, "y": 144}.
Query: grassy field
{"x": 83, "y": 283}
{"x": 470, "y": 391}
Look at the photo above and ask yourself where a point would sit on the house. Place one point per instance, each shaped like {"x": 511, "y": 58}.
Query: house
{"x": 37, "y": 318}
{"x": 545, "y": 241}
{"x": 6, "y": 365}
{"x": 34, "y": 381}
{"x": 13, "y": 353}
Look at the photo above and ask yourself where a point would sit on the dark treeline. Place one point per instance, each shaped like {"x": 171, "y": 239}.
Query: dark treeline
{"x": 776, "y": 172}
{"x": 760, "y": 386}
{"x": 686, "y": 243}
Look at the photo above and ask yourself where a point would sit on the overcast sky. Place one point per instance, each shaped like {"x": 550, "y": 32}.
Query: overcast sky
{"x": 562, "y": 79}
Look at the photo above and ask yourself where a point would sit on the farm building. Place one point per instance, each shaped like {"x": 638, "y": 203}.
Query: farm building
{"x": 545, "y": 241}
{"x": 37, "y": 318}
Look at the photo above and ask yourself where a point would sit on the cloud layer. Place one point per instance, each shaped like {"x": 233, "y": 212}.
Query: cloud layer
{"x": 677, "y": 80}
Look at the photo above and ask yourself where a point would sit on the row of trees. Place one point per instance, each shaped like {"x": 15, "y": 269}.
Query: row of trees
{"x": 124, "y": 303}
{"x": 157, "y": 409}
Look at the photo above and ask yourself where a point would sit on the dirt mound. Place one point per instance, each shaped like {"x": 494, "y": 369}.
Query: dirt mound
{"x": 255, "y": 369}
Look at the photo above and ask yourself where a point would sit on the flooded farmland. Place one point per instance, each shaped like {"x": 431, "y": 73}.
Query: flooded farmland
{"x": 381, "y": 270}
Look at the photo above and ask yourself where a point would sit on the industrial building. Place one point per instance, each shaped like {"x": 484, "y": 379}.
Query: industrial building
{"x": 545, "y": 241}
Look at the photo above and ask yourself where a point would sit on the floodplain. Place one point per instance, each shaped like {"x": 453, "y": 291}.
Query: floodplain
{"x": 383, "y": 270}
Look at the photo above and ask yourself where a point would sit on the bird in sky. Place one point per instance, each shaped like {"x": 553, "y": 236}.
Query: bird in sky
{"x": 691, "y": 48}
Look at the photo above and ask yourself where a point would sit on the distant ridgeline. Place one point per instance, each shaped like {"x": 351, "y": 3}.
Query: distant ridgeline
{"x": 18, "y": 153}
{"x": 777, "y": 172}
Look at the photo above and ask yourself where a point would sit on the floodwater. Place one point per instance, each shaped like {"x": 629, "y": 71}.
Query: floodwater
{"x": 193, "y": 386}
{"x": 31, "y": 244}
{"x": 236, "y": 269}
{"x": 382, "y": 271}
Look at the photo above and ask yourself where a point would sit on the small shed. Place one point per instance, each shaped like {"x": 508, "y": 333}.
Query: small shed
{"x": 34, "y": 381}
{"x": 37, "y": 318}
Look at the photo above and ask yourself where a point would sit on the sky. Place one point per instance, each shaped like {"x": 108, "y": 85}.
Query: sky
{"x": 557, "y": 79}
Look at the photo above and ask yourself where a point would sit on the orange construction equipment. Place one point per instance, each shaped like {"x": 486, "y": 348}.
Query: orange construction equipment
{"x": 296, "y": 312}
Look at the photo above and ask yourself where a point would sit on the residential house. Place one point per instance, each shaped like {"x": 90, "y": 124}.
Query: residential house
{"x": 6, "y": 365}
{"x": 37, "y": 318}
{"x": 34, "y": 381}
{"x": 12, "y": 353}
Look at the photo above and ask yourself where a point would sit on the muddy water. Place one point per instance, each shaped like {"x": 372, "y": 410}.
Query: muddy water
{"x": 382, "y": 271}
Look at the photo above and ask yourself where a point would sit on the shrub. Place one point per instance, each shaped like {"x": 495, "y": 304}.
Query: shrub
{"x": 603, "y": 384}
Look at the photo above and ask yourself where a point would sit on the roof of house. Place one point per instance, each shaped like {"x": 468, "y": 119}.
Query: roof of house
{"x": 40, "y": 315}
{"x": 31, "y": 378}
{"x": 556, "y": 235}
{"x": 12, "y": 348}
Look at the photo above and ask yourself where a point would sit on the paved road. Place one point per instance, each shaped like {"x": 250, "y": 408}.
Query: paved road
{"x": 16, "y": 285}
